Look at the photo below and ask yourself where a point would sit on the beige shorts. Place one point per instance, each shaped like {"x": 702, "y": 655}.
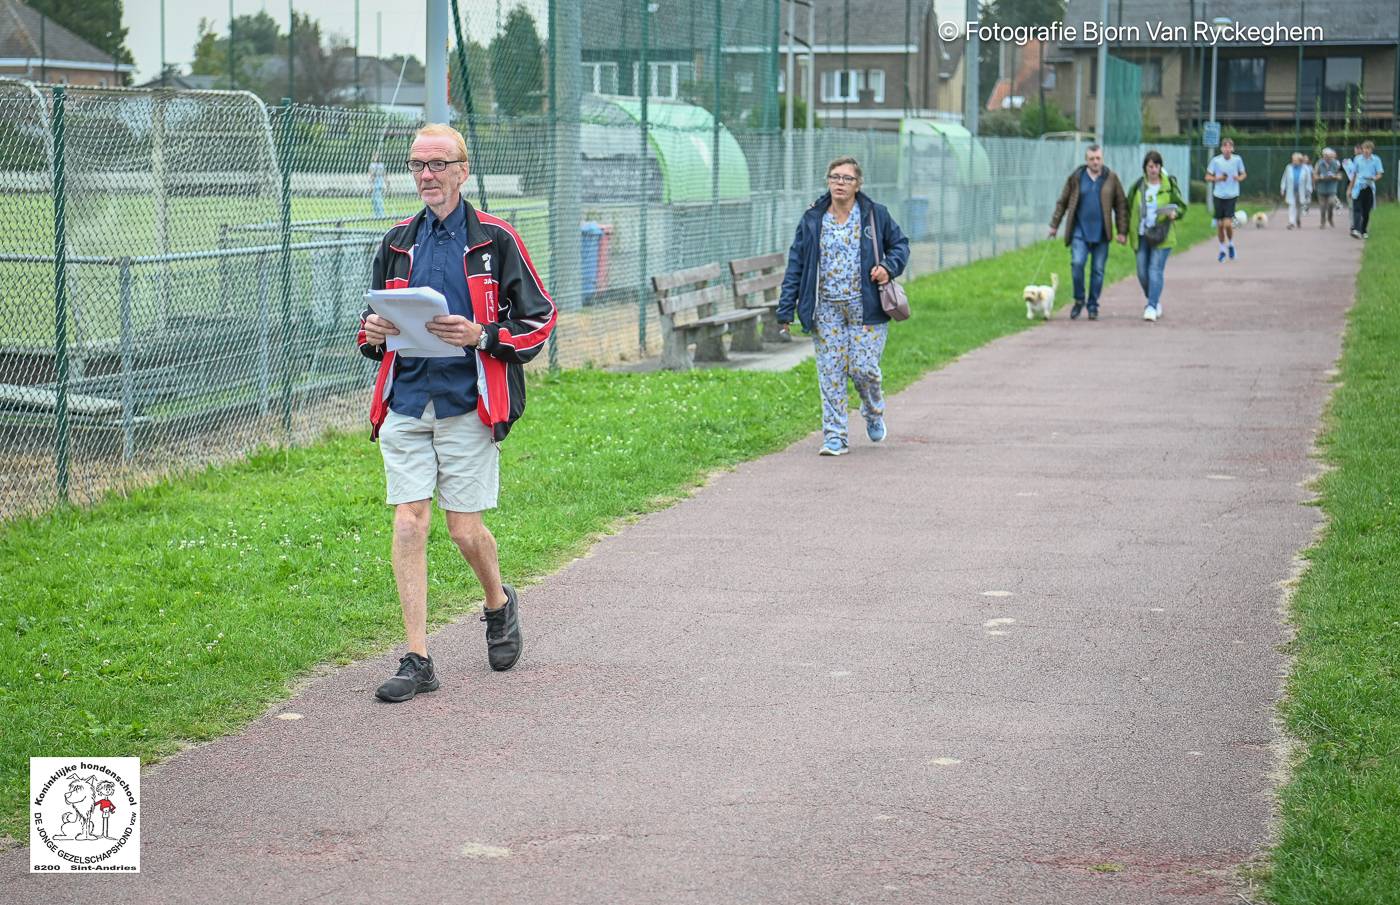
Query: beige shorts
{"x": 454, "y": 458}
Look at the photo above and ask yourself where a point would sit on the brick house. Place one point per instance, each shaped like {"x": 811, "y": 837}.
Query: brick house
{"x": 34, "y": 47}
{"x": 1348, "y": 55}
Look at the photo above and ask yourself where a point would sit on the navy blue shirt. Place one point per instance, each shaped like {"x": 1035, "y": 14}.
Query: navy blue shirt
{"x": 1088, "y": 216}
{"x": 449, "y": 382}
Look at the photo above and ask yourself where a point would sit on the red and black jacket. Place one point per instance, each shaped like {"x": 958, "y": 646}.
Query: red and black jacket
{"x": 507, "y": 297}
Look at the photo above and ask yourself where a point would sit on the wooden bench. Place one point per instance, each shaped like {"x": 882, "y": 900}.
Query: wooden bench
{"x": 696, "y": 307}
{"x": 757, "y": 284}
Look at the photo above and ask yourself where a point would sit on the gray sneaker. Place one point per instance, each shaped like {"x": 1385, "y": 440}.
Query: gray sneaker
{"x": 415, "y": 674}
{"x": 504, "y": 640}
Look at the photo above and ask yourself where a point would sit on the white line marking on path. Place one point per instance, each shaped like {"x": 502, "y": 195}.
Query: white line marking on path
{"x": 996, "y": 593}
{"x": 481, "y": 850}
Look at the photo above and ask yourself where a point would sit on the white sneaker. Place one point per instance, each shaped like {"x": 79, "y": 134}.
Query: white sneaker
{"x": 1149, "y": 313}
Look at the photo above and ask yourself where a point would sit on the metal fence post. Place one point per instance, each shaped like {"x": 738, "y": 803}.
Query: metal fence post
{"x": 286, "y": 345}
{"x": 128, "y": 361}
{"x": 60, "y": 301}
{"x": 643, "y": 90}
{"x": 942, "y": 198}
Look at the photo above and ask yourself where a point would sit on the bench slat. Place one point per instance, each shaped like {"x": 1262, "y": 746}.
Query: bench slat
{"x": 683, "y": 301}
{"x": 757, "y": 284}
{"x": 727, "y": 317}
{"x": 761, "y": 262}
{"x": 666, "y": 281}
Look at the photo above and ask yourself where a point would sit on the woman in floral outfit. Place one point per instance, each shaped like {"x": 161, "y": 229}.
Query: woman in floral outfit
{"x": 832, "y": 283}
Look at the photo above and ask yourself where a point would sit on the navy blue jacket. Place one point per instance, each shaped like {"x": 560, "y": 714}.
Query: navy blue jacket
{"x": 804, "y": 261}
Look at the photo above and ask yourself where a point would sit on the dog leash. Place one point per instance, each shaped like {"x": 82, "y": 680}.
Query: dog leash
{"x": 1035, "y": 274}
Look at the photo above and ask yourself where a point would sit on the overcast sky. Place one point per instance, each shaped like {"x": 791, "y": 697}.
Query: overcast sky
{"x": 404, "y": 30}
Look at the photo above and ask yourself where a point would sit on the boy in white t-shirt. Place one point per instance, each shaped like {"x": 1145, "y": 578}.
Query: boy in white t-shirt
{"x": 1226, "y": 172}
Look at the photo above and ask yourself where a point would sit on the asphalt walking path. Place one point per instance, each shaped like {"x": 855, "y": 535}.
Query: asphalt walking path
{"x": 1027, "y": 650}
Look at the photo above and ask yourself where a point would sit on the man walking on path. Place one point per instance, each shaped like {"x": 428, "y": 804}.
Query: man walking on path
{"x": 1226, "y": 171}
{"x": 1366, "y": 171}
{"x": 439, "y": 420}
{"x": 1296, "y": 187}
{"x": 1092, "y": 194}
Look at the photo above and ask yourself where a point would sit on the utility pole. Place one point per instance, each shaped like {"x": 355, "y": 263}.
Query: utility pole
{"x": 1101, "y": 86}
{"x": 162, "y": 43}
{"x": 291, "y": 51}
{"x": 357, "y": 50}
{"x": 971, "y": 63}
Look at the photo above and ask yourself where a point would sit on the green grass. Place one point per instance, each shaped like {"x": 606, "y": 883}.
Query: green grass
{"x": 1340, "y": 835}
{"x": 178, "y": 612}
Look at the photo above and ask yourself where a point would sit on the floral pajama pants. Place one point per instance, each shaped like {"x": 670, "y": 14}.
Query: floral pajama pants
{"x": 847, "y": 348}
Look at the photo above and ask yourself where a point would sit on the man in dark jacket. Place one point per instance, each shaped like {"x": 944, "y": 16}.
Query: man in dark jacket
{"x": 1092, "y": 194}
{"x": 438, "y": 420}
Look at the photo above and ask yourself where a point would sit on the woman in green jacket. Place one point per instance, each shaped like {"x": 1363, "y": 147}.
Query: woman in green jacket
{"x": 1155, "y": 203}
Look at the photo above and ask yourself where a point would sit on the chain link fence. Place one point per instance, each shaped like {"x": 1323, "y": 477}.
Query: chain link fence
{"x": 181, "y": 273}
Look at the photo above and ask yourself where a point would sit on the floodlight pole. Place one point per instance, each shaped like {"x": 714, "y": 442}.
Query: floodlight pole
{"x": 971, "y": 59}
{"x": 435, "y": 106}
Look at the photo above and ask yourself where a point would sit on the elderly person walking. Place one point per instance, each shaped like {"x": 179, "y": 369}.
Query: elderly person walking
{"x": 1155, "y": 203}
{"x": 1296, "y": 187}
{"x": 1327, "y": 177}
{"x": 1091, "y": 203}
{"x": 439, "y": 420}
{"x": 832, "y": 279}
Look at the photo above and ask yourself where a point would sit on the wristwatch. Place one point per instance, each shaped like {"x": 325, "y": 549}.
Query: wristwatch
{"x": 482, "y": 340}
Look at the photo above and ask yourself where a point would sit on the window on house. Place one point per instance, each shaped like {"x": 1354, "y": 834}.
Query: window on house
{"x": 875, "y": 81}
{"x": 841, "y": 85}
{"x": 600, "y": 78}
{"x": 744, "y": 82}
{"x": 666, "y": 79}
{"x": 1241, "y": 85}
{"x": 1328, "y": 82}
{"x": 1151, "y": 77}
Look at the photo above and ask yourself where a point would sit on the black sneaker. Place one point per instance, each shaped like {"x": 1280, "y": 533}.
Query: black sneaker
{"x": 415, "y": 674}
{"x": 1076, "y": 310}
{"x": 1093, "y": 314}
{"x": 503, "y": 639}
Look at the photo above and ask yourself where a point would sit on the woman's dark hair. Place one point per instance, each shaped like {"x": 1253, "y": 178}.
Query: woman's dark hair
{"x": 1151, "y": 157}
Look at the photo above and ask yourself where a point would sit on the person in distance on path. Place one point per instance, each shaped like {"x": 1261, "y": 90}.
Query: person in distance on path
{"x": 1296, "y": 188}
{"x": 1225, "y": 171}
{"x": 1327, "y": 178}
{"x": 1094, "y": 207}
{"x": 439, "y": 420}
{"x": 1155, "y": 203}
{"x": 1366, "y": 172}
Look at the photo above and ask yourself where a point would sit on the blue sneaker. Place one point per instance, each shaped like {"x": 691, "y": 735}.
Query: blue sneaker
{"x": 875, "y": 430}
{"x": 1220, "y": 257}
{"x": 1232, "y": 252}
{"x": 833, "y": 447}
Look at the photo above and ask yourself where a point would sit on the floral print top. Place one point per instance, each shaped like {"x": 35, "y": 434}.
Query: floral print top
{"x": 840, "y": 257}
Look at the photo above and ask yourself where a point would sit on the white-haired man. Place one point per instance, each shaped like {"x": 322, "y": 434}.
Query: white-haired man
{"x": 438, "y": 420}
{"x": 1327, "y": 178}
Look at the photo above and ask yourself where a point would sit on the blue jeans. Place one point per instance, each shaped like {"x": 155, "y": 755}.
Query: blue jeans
{"x": 1079, "y": 252}
{"x": 1151, "y": 266}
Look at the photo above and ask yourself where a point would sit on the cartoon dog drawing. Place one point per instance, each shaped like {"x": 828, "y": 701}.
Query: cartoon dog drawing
{"x": 71, "y": 826}
{"x": 82, "y": 795}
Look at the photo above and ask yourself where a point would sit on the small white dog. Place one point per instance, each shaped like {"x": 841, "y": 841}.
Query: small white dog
{"x": 1241, "y": 218}
{"x": 1261, "y": 220}
{"x": 1041, "y": 298}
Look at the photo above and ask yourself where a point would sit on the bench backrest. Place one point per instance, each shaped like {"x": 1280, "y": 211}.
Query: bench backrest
{"x": 695, "y": 289}
{"x": 757, "y": 280}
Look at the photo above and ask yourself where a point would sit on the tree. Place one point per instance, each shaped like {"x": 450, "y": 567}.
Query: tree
{"x": 517, "y": 65}
{"x": 478, "y": 78}
{"x": 96, "y": 21}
